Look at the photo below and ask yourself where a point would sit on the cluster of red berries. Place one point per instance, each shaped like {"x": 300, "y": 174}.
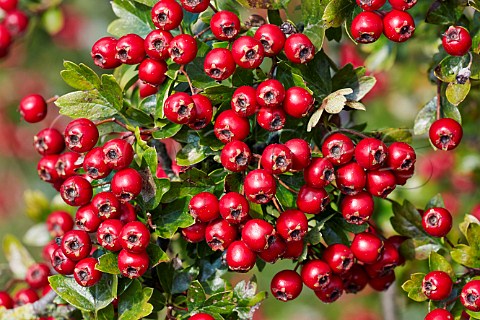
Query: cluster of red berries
{"x": 397, "y": 25}
{"x": 14, "y": 23}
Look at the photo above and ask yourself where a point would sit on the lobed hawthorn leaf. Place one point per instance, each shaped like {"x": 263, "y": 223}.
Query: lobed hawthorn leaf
{"x": 183, "y": 278}
{"x": 312, "y": 11}
{"x": 220, "y": 303}
{"x": 80, "y": 76}
{"x": 414, "y": 287}
{"x": 396, "y": 134}
{"x": 337, "y": 11}
{"x": 156, "y": 255}
{"x": 171, "y": 217}
{"x": 134, "y": 18}
{"x": 438, "y": 262}
{"x": 445, "y": 12}
{"x": 469, "y": 256}
{"x": 193, "y": 181}
{"x": 463, "y": 226}
{"x": 133, "y": 303}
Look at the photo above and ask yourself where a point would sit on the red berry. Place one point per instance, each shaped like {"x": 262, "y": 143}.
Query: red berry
{"x": 135, "y": 237}
{"x": 319, "y": 173}
{"x": 389, "y": 259}
{"x": 244, "y": 101}
{"x": 332, "y": 292}
{"x": 470, "y": 296}
{"x": 358, "y": 208}
{"x": 5, "y": 41}
{"x": 258, "y": 234}
{"x": 355, "y": 279}
{"x": 234, "y": 207}
{"x": 85, "y": 273}
{"x": 204, "y": 207}
{"x": 133, "y": 265}
{"x": 236, "y": 156}
{"x": 286, "y": 285}
{"x": 126, "y": 184}
{"x": 201, "y": 316}
{"x": 46, "y": 168}
{"x": 219, "y": 64}
{"x": 401, "y": 156}
{"x": 366, "y": 27}
{"x": 271, "y": 119}
{"x": 61, "y": 263}
{"x": 437, "y": 285}
{"x": 68, "y": 163}
{"x": 299, "y": 49}
{"x": 275, "y": 250}
{"x": 183, "y": 49}
{"x": 380, "y": 183}
{"x": 152, "y": 71}
{"x": 445, "y": 134}
{"x": 270, "y": 93}
{"x": 167, "y": 15}
{"x": 402, "y": 4}
{"x": 339, "y": 257}
{"x": 37, "y": 275}
{"x": 272, "y": 39}
{"x": 48, "y": 250}
{"x": 8, "y": 5}
{"x": 225, "y": 25}
{"x": 338, "y": 148}
{"x": 25, "y": 296}
{"x": 127, "y": 213}
{"x": 371, "y": 153}
{"x": 180, "y": 108}
{"x": 398, "y": 26}
{"x": 370, "y": 5}
{"x": 49, "y": 141}
{"x": 87, "y": 218}
{"x": 367, "y": 247}
{"x": 239, "y": 257}
{"x": 294, "y": 250}
{"x": 312, "y": 200}
{"x": 439, "y": 314}
{"x": 219, "y": 234}
{"x": 456, "y": 41}
{"x": 276, "y": 158}
{"x": 156, "y": 44}
{"x": 33, "y": 108}
{"x": 118, "y": 153}
{"x": 382, "y": 283}
{"x": 248, "y": 52}
{"x": 316, "y": 274}
{"x": 195, "y": 6}
{"x": 104, "y": 53}
{"x": 351, "y": 178}
{"x": 437, "y": 222}
{"x": 401, "y": 177}
{"x": 130, "y": 49}
{"x": 229, "y": 127}
{"x": 203, "y": 112}
{"x": 195, "y": 233}
{"x": 107, "y": 205}
{"x": 292, "y": 225}
{"x": 5, "y": 300}
{"x": 95, "y": 165}
{"x": 298, "y": 102}
{"x": 76, "y": 244}
{"x": 259, "y": 186}
{"x": 81, "y": 135}
{"x": 301, "y": 153}
{"x": 76, "y": 191}
{"x": 58, "y": 223}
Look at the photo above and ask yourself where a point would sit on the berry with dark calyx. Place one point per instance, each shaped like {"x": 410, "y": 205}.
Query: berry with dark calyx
{"x": 370, "y": 5}
{"x": 456, "y": 41}
{"x": 275, "y": 250}
{"x": 301, "y": 153}
{"x": 276, "y": 158}
{"x": 312, "y": 200}
{"x": 203, "y": 112}
{"x": 195, "y": 6}
{"x": 259, "y": 186}
{"x": 126, "y": 184}
{"x": 25, "y": 296}
{"x": 68, "y": 163}
{"x": 107, "y": 205}
{"x": 76, "y": 191}
{"x": 293, "y": 250}
{"x": 201, "y": 316}
{"x": 49, "y": 141}
{"x": 371, "y": 153}
{"x": 445, "y": 134}
{"x": 5, "y": 300}
{"x": 234, "y": 207}
{"x": 61, "y": 263}
{"x": 316, "y": 274}
{"x": 272, "y": 39}
{"x": 366, "y": 27}
{"x": 236, "y": 156}
{"x": 95, "y": 165}
{"x": 219, "y": 64}
{"x": 437, "y": 285}
{"x": 338, "y": 148}
{"x": 292, "y": 225}
{"x": 398, "y": 26}
{"x": 401, "y": 177}
{"x": 402, "y": 5}
{"x": 470, "y": 295}
{"x": 194, "y": 233}
{"x": 437, "y": 222}
{"x": 358, "y": 208}
{"x": 298, "y": 102}
{"x": 225, "y": 25}
{"x": 271, "y": 119}
{"x": 355, "y": 279}
{"x": 46, "y": 168}
{"x": 135, "y": 237}
{"x": 130, "y": 49}
{"x": 244, "y": 101}
{"x": 104, "y": 53}
{"x": 383, "y": 282}
{"x": 380, "y": 183}
{"x": 219, "y": 234}
{"x": 16, "y": 22}
{"x": 48, "y": 250}
{"x": 339, "y": 257}
{"x": 156, "y": 44}
{"x": 367, "y": 247}
{"x": 229, "y": 127}
{"x": 133, "y": 265}
{"x": 439, "y": 314}
{"x": 85, "y": 273}
{"x": 58, "y": 223}
{"x": 76, "y": 244}
{"x": 401, "y": 156}
{"x": 351, "y": 178}
{"x": 108, "y": 234}
{"x": 239, "y": 257}
{"x": 183, "y": 49}
{"x": 167, "y": 15}
{"x": 248, "y": 52}
{"x": 286, "y": 285}
{"x": 118, "y": 153}
{"x": 332, "y": 292}
{"x": 33, "y": 108}
{"x": 37, "y": 275}
{"x": 81, "y": 135}
{"x": 270, "y": 93}
{"x": 8, "y": 5}
{"x": 389, "y": 259}
{"x": 319, "y": 173}
{"x": 180, "y": 108}
{"x": 258, "y": 234}
{"x": 127, "y": 213}
{"x": 204, "y": 207}
{"x": 152, "y": 71}
{"x": 86, "y": 218}
{"x": 299, "y": 49}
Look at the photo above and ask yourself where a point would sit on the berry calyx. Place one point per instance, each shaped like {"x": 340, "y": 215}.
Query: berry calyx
{"x": 236, "y": 156}
{"x": 371, "y": 153}
{"x": 234, "y": 207}
{"x": 156, "y": 44}
{"x": 276, "y": 158}
{"x": 203, "y": 112}
{"x": 179, "y": 108}
{"x": 402, "y": 4}
{"x": 76, "y": 244}
{"x": 370, "y": 5}
{"x": 130, "y": 49}
{"x": 95, "y": 165}
{"x": 445, "y": 134}
{"x": 437, "y": 221}
{"x": 135, "y": 237}
{"x": 401, "y": 156}
{"x": 331, "y": 292}
{"x": 301, "y": 153}
{"x": 299, "y": 49}
{"x": 270, "y": 93}
{"x": 286, "y": 285}
{"x": 271, "y": 119}
{"x": 316, "y": 274}
{"x": 312, "y": 200}
{"x": 61, "y": 263}
{"x": 67, "y": 164}
{"x": 219, "y": 234}
{"x": 46, "y": 168}
{"x": 104, "y": 53}
{"x": 272, "y": 39}
{"x": 244, "y": 101}
{"x": 118, "y": 154}
{"x": 86, "y": 218}
{"x": 338, "y": 148}
{"x": 107, "y": 205}
{"x": 339, "y": 257}
{"x": 195, "y": 6}
{"x": 58, "y": 223}
{"x": 76, "y": 191}
{"x": 183, "y": 48}
{"x": 380, "y": 183}
{"x": 37, "y": 275}
{"x": 350, "y": 178}
{"x": 358, "y": 208}
{"x": 319, "y": 173}
{"x": 248, "y": 52}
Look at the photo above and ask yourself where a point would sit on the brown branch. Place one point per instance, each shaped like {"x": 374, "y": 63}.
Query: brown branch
{"x": 213, "y": 8}
{"x": 286, "y": 186}
{"x": 182, "y": 70}
{"x": 277, "y": 205}
{"x": 201, "y": 32}
{"x": 439, "y": 98}
{"x": 52, "y": 99}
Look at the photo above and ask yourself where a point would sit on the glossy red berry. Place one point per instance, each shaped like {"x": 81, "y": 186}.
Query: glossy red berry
{"x": 259, "y": 186}
{"x": 272, "y": 39}
{"x": 81, "y": 135}
{"x": 127, "y": 213}
{"x": 76, "y": 191}
{"x": 107, "y": 205}
{"x": 201, "y": 316}
{"x": 46, "y": 168}
{"x": 389, "y": 259}
{"x": 133, "y": 265}
{"x": 203, "y": 112}
{"x": 470, "y": 295}
{"x": 130, "y": 49}
{"x": 195, "y": 6}
{"x": 339, "y": 257}
{"x": 270, "y": 93}
{"x": 316, "y": 274}
{"x": 219, "y": 234}
{"x": 367, "y": 247}
{"x": 355, "y": 279}
{"x": 180, "y": 108}
{"x": 286, "y": 285}
{"x": 37, "y": 275}
{"x": 248, "y": 52}
{"x": 298, "y": 102}
{"x": 58, "y": 223}
{"x": 152, "y": 71}
{"x": 293, "y": 250}
{"x": 437, "y": 285}
{"x": 382, "y": 283}
{"x": 95, "y": 165}
{"x": 370, "y": 5}
{"x": 76, "y": 244}
{"x": 33, "y": 108}
{"x": 61, "y": 263}
{"x": 86, "y": 218}
{"x": 194, "y": 233}
{"x": 68, "y": 163}
{"x": 236, "y": 156}
{"x": 239, "y": 257}
{"x": 332, "y": 292}
{"x": 5, "y": 300}
{"x": 48, "y": 249}
{"x": 366, "y": 27}
{"x": 234, "y": 207}
{"x": 275, "y": 250}
{"x": 156, "y": 44}
{"x": 371, "y": 153}
{"x": 402, "y": 4}
{"x": 204, "y": 207}
{"x": 437, "y": 222}
{"x": 380, "y": 183}
{"x": 244, "y": 101}
{"x": 5, "y": 41}
{"x": 338, "y": 148}
{"x": 8, "y": 5}
{"x": 445, "y": 134}
{"x": 312, "y": 200}
{"x": 118, "y": 153}
{"x": 49, "y": 141}
{"x": 351, "y": 178}
{"x": 358, "y": 208}
{"x": 292, "y": 225}
{"x": 401, "y": 156}
{"x": 271, "y": 119}
{"x": 319, "y": 173}
{"x": 258, "y": 234}
{"x": 85, "y": 273}
{"x": 276, "y": 158}
{"x": 135, "y": 237}
{"x": 126, "y": 184}
{"x": 104, "y": 53}
{"x": 439, "y": 314}
{"x": 456, "y": 41}
{"x": 225, "y": 25}
{"x": 25, "y": 296}
{"x": 229, "y": 127}
{"x": 219, "y": 64}
{"x": 183, "y": 49}
{"x": 167, "y": 15}
{"x": 301, "y": 153}
{"x": 398, "y": 26}
{"x": 401, "y": 177}
{"x": 299, "y": 49}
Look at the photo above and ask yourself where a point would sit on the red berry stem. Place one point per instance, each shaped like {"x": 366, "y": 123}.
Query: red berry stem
{"x": 286, "y": 186}
{"x": 199, "y": 34}
{"x": 449, "y": 242}
{"x": 277, "y": 205}
{"x": 439, "y": 98}
{"x": 192, "y": 88}
{"x": 121, "y": 124}
{"x": 271, "y": 73}
{"x": 150, "y": 223}
{"x": 55, "y": 97}
{"x": 355, "y": 133}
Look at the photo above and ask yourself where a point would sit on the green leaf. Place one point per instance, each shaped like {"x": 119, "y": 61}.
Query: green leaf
{"x": 198, "y": 76}
{"x": 162, "y": 95}
{"x": 247, "y": 298}
{"x": 19, "y": 259}
{"x": 80, "y": 76}
{"x": 337, "y": 11}
{"x": 312, "y": 11}
{"x": 156, "y": 255}
{"x": 191, "y": 153}
{"x": 193, "y": 181}
{"x": 436, "y": 201}
{"x": 428, "y": 115}
{"x": 133, "y": 19}
{"x": 149, "y": 3}
{"x": 445, "y": 12}
{"x": 265, "y": 4}
{"x": 183, "y": 278}
{"x": 448, "y": 69}
{"x": 37, "y": 205}
{"x": 108, "y": 263}
{"x": 37, "y": 235}
{"x": 173, "y": 216}
{"x": 414, "y": 287}
{"x": 53, "y": 20}
{"x": 456, "y": 92}
{"x": 106, "y": 313}
{"x": 111, "y": 91}
{"x": 195, "y": 296}
{"x": 133, "y": 303}
{"x": 463, "y": 226}
{"x": 314, "y": 119}
{"x": 168, "y": 131}
{"x": 242, "y": 77}
{"x": 285, "y": 197}
{"x": 437, "y": 262}
{"x": 407, "y": 221}
{"x": 220, "y": 303}
{"x": 466, "y": 256}
{"x": 396, "y": 134}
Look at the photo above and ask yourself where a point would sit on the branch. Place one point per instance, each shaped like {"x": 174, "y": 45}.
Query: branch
{"x": 389, "y": 305}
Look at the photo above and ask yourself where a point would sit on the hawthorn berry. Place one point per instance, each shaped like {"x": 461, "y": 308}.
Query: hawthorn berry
{"x": 402, "y": 5}
{"x": 332, "y": 291}
{"x": 5, "y": 41}
{"x": 76, "y": 191}
{"x": 401, "y": 156}
{"x": 133, "y": 265}
{"x": 48, "y": 250}
{"x": 370, "y": 5}
{"x": 286, "y": 285}
{"x": 276, "y": 158}
{"x": 49, "y": 141}
{"x": 104, "y": 53}
{"x": 203, "y": 112}
{"x": 437, "y": 285}
{"x": 5, "y": 300}
{"x": 201, "y": 316}
{"x": 367, "y": 247}
{"x": 270, "y": 93}
{"x": 371, "y": 153}
{"x": 380, "y": 183}
{"x": 275, "y": 250}
{"x": 355, "y": 279}
{"x": 58, "y": 223}
{"x": 152, "y": 71}
{"x": 301, "y": 153}
{"x": 8, "y": 5}
{"x": 33, "y": 108}
{"x": 95, "y": 165}
{"x": 382, "y": 283}
{"x": 258, "y": 234}
{"x": 156, "y": 44}
{"x": 16, "y": 22}
{"x": 225, "y": 25}
{"x": 439, "y": 314}
{"x": 118, "y": 153}
{"x": 456, "y": 41}
{"x": 298, "y": 102}
{"x": 248, "y": 52}
{"x": 167, "y": 15}
{"x": 127, "y": 213}
{"x": 272, "y": 38}
{"x": 81, "y": 135}
{"x": 107, "y": 205}
{"x": 357, "y": 208}
{"x": 366, "y": 27}
{"x": 470, "y": 295}
{"x": 319, "y": 173}
{"x": 195, "y": 6}
{"x": 299, "y": 49}
{"x": 135, "y": 237}
{"x": 86, "y": 218}
{"x": 339, "y": 257}
{"x": 130, "y": 49}
{"x": 194, "y": 233}
{"x": 259, "y": 186}
{"x": 229, "y": 127}
{"x": 350, "y": 178}
{"x": 389, "y": 259}
{"x": 219, "y": 234}
{"x": 61, "y": 263}
{"x": 437, "y": 222}
{"x": 312, "y": 200}
{"x": 76, "y": 244}
{"x": 445, "y": 134}
{"x": 46, "y": 168}
{"x": 234, "y": 207}
{"x": 316, "y": 274}
{"x": 146, "y": 89}
{"x": 126, "y": 184}
{"x": 180, "y": 108}
{"x": 235, "y": 156}
{"x": 219, "y": 64}
{"x": 338, "y": 148}
{"x": 25, "y": 296}
{"x": 239, "y": 257}
{"x": 292, "y": 225}
{"x": 68, "y": 163}
{"x": 401, "y": 177}
{"x": 183, "y": 49}
{"x": 204, "y": 207}
{"x": 244, "y": 101}
{"x": 37, "y": 275}
{"x": 271, "y": 119}
{"x": 85, "y": 273}
{"x": 398, "y": 26}
{"x": 293, "y": 250}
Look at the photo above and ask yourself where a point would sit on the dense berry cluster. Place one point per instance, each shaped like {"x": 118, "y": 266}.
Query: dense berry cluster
{"x": 14, "y": 23}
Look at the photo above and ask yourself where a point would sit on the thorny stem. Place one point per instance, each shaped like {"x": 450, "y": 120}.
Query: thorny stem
{"x": 273, "y": 68}
{"x": 198, "y": 35}
{"x": 286, "y": 186}
{"x": 182, "y": 70}
{"x": 439, "y": 98}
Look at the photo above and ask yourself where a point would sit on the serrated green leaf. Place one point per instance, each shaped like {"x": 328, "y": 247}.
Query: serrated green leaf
{"x": 173, "y": 216}
{"x": 436, "y": 201}
{"x": 396, "y": 134}
{"x": 466, "y": 255}
{"x": 463, "y": 226}
{"x": 312, "y": 11}
{"x": 80, "y": 76}
{"x": 336, "y": 12}
{"x": 133, "y": 303}
{"x": 133, "y": 19}
{"x": 193, "y": 181}
{"x": 156, "y": 255}
{"x": 18, "y": 257}
{"x": 414, "y": 287}
{"x": 407, "y": 221}
{"x": 456, "y": 92}
{"x": 183, "y": 278}
{"x": 108, "y": 263}
{"x": 445, "y": 12}
{"x": 85, "y": 104}
{"x": 285, "y": 197}
{"x": 425, "y": 117}
{"x": 149, "y": 3}
{"x": 195, "y": 296}
{"x": 437, "y": 262}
